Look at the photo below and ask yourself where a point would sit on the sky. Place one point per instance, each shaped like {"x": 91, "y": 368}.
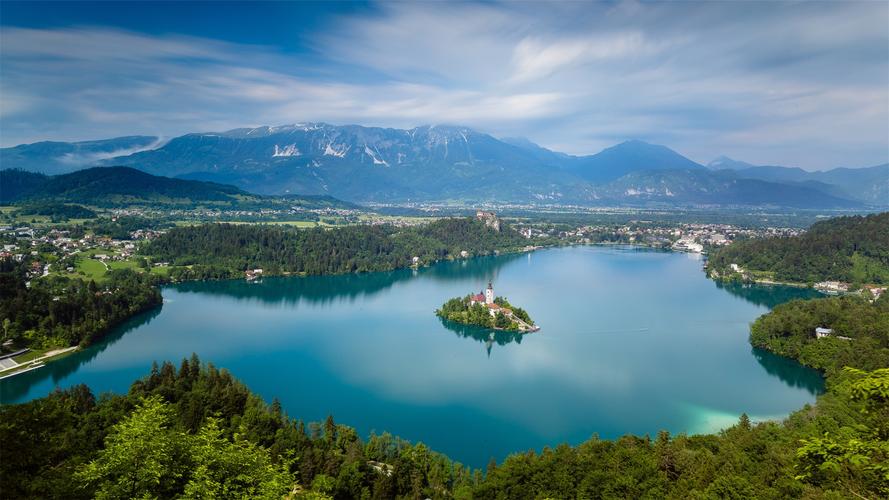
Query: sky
{"x": 780, "y": 83}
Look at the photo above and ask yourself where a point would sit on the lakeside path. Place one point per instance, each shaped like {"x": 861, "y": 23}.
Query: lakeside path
{"x": 35, "y": 363}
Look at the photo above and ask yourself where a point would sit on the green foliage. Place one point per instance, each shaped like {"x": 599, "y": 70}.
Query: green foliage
{"x": 789, "y": 330}
{"x": 239, "y": 469}
{"x": 57, "y": 311}
{"x": 196, "y": 432}
{"x": 142, "y": 456}
{"x": 57, "y": 211}
{"x": 226, "y": 250}
{"x": 852, "y": 249}
{"x": 854, "y": 457}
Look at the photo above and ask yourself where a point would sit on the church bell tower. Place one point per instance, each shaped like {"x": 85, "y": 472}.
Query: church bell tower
{"x": 489, "y": 294}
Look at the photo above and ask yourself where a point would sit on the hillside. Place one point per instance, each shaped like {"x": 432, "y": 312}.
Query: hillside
{"x": 53, "y": 157}
{"x": 362, "y": 163}
{"x": 700, "y": 186}
{"x": 121, "y": 186}
{"x": 630, "y": 156}
{"x": 869, "y": 185}
{"x": 851, "y": 249}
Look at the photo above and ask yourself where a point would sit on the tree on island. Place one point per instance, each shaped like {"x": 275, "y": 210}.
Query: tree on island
{"x": 467, "y": 311}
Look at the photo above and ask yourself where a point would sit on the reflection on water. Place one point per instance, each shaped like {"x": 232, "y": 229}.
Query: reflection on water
{"x": 60, "y": 369}
{"x": 767, "y": 295}
{"x": 486, "y": 336}
{"x": 351, "y": 287}
{"x": 789, "y": 371}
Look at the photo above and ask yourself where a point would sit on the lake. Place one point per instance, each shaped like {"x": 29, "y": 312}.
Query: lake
{"x": 631, "y": 341}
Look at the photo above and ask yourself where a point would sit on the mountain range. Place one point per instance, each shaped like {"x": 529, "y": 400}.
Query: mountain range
{"x": 451, "y": 163}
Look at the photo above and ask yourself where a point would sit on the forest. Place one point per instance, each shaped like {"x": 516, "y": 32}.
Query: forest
{"x": 227, "y": 250}
{"x": 196, "y": 432}
{"x": 850, "y": 249}
{"x": 56, "y": 311}
{"x": 860, "y": 332}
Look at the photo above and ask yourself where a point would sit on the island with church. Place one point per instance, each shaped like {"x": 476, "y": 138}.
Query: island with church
{"x": 486, "y": 310}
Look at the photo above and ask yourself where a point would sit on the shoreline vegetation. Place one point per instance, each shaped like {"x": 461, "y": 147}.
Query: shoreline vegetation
{"x": 190, "y": 432}
{"x": 499, "y": 314}
{"x": 839, "y": 253}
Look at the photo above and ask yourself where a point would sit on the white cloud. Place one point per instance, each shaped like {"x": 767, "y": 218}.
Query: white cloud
{"x": 804, "y": 84}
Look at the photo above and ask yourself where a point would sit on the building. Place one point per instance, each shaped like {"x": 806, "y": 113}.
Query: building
{"x": 489, "y": 218}
{"x": 485, "y": 297}
{"x": 876, "y": 291}
{"x": 821, "y": 332}
{"x": 832, "y": 287}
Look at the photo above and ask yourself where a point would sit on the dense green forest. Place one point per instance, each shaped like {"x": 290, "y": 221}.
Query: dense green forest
{"x": 56, "y": 311}
{"x": 461, "y": 310}
{"x": 851, "y": 249}
{"x": 58, "y": 212}
{"x": 227, "y": 250}
{"x": 789, "y": 330}
{"x": 196, "y": 432}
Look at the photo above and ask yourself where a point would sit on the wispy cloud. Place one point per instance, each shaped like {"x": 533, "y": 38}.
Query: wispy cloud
{"x": 797, "y": 83}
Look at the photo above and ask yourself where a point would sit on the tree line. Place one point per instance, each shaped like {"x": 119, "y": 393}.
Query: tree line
{"x": 851, "y": 249}
{"x": 56, "y": 311}
{"x": 227, "y": 250}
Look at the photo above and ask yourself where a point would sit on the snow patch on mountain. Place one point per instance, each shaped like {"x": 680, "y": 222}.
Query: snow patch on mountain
{"x": 339, "y": 150}
{"x": 288, "y": 150}
{"x": 373, "y": 156}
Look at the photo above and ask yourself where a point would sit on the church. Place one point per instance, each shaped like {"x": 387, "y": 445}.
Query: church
{"x": 486, "y": 298}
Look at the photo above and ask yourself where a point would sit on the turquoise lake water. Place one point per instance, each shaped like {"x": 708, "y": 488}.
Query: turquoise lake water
{"x": 631, "y": 341}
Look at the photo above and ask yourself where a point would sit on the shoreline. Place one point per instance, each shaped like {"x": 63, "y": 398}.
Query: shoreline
{"x": 38, "y": 362}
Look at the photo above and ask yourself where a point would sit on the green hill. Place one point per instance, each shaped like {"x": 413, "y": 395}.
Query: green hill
{"x": 123, "y": 186}
{"x": 851, "y": 249}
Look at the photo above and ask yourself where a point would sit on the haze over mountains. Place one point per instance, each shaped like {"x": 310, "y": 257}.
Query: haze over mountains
{"x": 450, "y": 163}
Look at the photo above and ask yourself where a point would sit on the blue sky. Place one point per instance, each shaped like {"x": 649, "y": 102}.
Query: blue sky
{"x": 793, "y": 83}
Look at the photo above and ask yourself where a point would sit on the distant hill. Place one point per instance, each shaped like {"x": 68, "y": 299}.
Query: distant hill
{"x": 120, "y": 186}
{"x": 630, "y": 156}
{"x": 52, "y": 158}
{"x": 447, "y": 164}
{"x": 703, "y": 187}
{"x": 851, "y": 249}
{"x": 869, "y": 185}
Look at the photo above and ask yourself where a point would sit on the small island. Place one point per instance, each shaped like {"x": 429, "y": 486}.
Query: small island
{"x": 484, "y": 310}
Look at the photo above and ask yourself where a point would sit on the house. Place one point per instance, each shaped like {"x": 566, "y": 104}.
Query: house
{"x": 821, "y": 332}
{"x": 832, "y": 287}
{"x": 876, "y": 291}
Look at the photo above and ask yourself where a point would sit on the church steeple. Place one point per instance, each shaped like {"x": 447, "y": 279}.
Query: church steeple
{"x": 489, "y": 294}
